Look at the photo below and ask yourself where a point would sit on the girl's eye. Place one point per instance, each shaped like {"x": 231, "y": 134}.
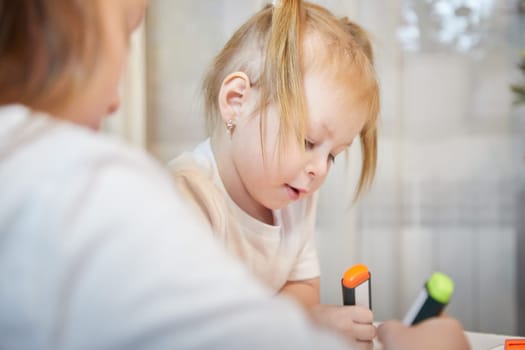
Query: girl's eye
{"x": 308, "y": 144}
{"x": 331, "y": 158}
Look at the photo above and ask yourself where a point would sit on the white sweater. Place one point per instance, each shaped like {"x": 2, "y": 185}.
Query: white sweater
{"x": 97, "y": 251}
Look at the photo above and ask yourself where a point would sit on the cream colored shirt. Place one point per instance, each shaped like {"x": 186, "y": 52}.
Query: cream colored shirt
{"x": 274, "y": 253}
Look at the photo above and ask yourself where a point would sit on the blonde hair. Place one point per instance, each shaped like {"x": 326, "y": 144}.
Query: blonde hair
{"x": 48, "y": 50}
{"x": 270, "y": 49}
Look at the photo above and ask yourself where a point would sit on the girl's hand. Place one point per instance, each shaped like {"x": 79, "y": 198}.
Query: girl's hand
{"x": 354, "y": 322}
{"x": 441, "y": 333}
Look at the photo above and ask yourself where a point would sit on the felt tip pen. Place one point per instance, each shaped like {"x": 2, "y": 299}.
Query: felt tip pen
{"x": 514, "y": 344}
{"x": 431, "y": 300}
{"x": 356, "y": 284}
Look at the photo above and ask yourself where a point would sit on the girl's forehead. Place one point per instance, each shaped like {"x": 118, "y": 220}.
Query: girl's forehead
{"x": 329, "y": 95}
{"x": 346, "y": 76}
{"x": 325, "y": 93}
{"x": 341, "y": 80}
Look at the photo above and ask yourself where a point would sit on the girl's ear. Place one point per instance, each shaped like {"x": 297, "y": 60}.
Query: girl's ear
{"x": 233, "y": 95}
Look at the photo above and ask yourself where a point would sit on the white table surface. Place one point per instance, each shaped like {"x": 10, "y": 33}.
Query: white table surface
{"x": 480, "y": 341}
{"x": 486, "y": 341}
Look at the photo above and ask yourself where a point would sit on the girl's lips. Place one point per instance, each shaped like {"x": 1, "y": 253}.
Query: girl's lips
{"x": 293, "y": 193}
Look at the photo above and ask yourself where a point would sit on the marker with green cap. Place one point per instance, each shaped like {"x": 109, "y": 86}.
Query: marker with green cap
{"x": 432, "y": 299}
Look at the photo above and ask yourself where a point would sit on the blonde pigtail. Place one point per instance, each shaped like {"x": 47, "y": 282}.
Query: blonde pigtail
{"x": 283, "y": 69}
{"x": 368, "y": 135}
{"x": 368, "y": 139}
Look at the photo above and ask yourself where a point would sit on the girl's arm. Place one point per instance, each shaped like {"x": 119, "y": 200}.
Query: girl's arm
{"x": 307, "y": 292}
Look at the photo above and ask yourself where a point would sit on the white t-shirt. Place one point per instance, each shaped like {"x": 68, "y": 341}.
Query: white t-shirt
{"x": 275, "y": 253}
{"x": 98, "y": 251}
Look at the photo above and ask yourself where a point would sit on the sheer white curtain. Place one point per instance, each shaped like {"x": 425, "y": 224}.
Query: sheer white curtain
{"x": 451, "y": 146}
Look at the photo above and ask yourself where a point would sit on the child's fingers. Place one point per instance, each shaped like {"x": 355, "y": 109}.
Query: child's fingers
{"x": 390, "y": 329}
{"x": 364, "y": 332}
{"x": 361, "y": 314}
{"x": 354, "y": 322}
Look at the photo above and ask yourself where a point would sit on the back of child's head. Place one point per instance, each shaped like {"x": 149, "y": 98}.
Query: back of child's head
{"x": 47, "y": 50}
{"x": 277, "y": 47}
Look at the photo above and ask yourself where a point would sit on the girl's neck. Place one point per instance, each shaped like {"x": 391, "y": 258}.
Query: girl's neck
{"x": 235, "y": 187}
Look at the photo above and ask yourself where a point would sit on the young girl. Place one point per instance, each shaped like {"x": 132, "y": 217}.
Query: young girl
{"x": 291, "y": 90}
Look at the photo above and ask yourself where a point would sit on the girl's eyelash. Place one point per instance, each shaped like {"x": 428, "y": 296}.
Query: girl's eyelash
{"x": 309, "y": 144}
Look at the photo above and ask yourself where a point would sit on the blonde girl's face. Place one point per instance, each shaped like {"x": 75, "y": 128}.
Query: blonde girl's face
{"x": 100, "y": 97}
{"x": 336, "y": 116}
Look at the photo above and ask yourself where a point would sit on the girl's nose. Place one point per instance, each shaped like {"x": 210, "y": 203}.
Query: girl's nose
{"x": 317, "y": 167}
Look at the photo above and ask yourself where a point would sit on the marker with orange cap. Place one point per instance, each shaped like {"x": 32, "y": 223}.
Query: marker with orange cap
{"x": 514, "y": 344}
{"x": 356, "y": 283}
{"x": 431, "y": 300}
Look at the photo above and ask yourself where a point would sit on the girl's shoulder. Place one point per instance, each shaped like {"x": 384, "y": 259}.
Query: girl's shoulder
{"x": 191, "y": 167}
{"x": 195, "y": 171}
